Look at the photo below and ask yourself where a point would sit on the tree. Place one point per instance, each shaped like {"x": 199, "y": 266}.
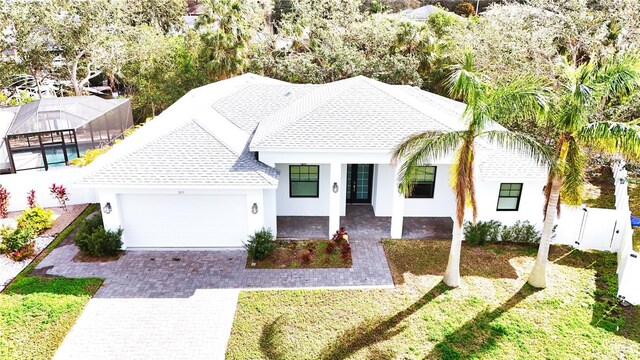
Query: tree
{"x": 167, "y": 15}
{"x": 485, "y": 104}
{"x": 585, "y": 89}
{"x": 225, "y": 34}
{"x": 465, "y": 9}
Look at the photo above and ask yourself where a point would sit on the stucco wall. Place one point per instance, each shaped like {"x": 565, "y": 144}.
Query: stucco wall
{"x": 531, "y": 201}
{"x": 288, "y": 206}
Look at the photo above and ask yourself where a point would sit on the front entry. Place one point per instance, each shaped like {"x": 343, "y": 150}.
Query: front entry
{"x": 359, "y": 183}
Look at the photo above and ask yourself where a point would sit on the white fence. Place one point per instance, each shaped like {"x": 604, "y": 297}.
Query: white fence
{"x": 21, "y": 183}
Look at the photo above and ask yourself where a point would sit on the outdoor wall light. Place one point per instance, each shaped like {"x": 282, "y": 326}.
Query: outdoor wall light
{"x": 107, "y": 208}
{"x": 335, "y": 187}
{"x": 623, "y": 180}
{"x": 254, "y": 208}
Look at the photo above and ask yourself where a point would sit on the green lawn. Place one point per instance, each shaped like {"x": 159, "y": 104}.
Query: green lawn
{"x": 37, "y": 312}
{"x": 494, "y": 315}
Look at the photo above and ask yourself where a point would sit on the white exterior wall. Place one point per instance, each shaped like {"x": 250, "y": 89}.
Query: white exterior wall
{"x": 265, "y": 216}
{"x": 531, "y": 201}
{"x": 21, "y": 183}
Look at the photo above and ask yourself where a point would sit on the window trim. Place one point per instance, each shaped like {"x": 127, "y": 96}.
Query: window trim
{"x": 316, "y": 181}
{"x": 433, "y": 195}
{"x": 509, "y": 197}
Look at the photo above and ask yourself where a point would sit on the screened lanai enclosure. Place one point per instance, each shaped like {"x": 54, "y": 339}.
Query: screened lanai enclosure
{"x": 50, "y": 132}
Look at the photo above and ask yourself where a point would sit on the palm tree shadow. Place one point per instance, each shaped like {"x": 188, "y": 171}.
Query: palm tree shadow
{"x": 478, "y": 335}
{"x": 608, "y": 313}
{"x": 271, "y": 339}
{"x": 369, "y": 333}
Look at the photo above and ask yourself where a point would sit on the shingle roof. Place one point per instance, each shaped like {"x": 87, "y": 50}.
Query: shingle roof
{"x": 204, "y": 160}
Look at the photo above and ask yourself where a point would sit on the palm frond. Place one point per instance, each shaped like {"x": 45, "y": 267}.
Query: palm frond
{"x": 573, "y": 179}
{"x": 525, "y": 96}
{"x": 463, "y": 83}
{"x": 619, "y": 76}
{"x": 521, "y": 144}
{"x": 612, "y": 137}
{"x": 422, "y": 149}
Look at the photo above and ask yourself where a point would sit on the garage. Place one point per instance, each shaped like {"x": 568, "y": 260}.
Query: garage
{"x": 183, "y": 221}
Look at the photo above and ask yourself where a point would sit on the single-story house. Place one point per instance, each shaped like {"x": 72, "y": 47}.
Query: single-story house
{"x": 233, "y": 156}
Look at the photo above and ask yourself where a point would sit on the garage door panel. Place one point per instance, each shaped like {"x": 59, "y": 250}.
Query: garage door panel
{"x": 184, "y": 220}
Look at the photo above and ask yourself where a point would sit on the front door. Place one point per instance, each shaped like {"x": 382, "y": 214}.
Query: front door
{"x": 359, "y": 182}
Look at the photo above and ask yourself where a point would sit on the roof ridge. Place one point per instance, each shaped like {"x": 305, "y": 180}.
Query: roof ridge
{"x": 223, "y": 143}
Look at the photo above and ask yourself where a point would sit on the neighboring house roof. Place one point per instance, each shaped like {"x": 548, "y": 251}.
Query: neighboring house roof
{"x": 421, "y": 13}
{"x": 205, "y": 138}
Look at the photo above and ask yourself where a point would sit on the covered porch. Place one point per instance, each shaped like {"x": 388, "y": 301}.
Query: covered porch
{"x": 361, "y": 220}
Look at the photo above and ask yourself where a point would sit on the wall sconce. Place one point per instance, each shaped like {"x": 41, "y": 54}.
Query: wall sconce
{"x": 335, "y": 187}
{"x": 254, "y": 208}
{"x": 623, "y": 180}
{"x": 107, "y": 208}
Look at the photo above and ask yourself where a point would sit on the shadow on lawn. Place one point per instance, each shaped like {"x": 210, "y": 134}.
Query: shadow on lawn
{"x": 478, "y": 335}
{"x": 371, "y": 332}
{"x": 608, "y": 314}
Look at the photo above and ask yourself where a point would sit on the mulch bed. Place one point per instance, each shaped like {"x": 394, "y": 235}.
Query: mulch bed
{"x": 305, "y": 254}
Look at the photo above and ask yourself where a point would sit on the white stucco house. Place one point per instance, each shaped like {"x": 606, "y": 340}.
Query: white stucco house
{"x": 231, "y": 157}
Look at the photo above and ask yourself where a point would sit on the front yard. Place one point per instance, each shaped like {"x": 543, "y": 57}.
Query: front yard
{"x": 37, "y": 312}
{"x": 493, "y": 315}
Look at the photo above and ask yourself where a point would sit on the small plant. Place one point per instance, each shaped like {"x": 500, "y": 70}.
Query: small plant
{"x": 28, "y": 251}
{"x": 340, "y": 236}
{"x": 59, "y": 192}
{"x": 331, "y": 247}
{"x": 93, "y": 239}
{"x": 345, "y": 251}
{"x": 306, "y": 257}
{"x": 260, "y": 244}
{"x": 465, "y": 9}
{"x": 15, "y": 239}
{"x": 36, "y": 218}
{"x": 521, "y": 232}
{"x": 482, "y": 232}
{"x": 31, "y": 198}
{"x": 89, "y": 156}
{"x": 4, "y": 202}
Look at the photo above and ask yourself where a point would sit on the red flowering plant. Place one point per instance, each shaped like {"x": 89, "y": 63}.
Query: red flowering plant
{"x": 28, "y": 251}
{"x": 31, "y": 198}
{"x": 4, "y": 202}
{"x": 60, "y": 193}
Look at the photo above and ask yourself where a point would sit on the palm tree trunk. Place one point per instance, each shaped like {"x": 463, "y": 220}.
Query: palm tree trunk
{"x": 452, "y": 274}
{"x": 538, "y": 277}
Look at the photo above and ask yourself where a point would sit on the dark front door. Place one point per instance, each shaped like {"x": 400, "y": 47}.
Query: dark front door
{"x": 359, "y": 181}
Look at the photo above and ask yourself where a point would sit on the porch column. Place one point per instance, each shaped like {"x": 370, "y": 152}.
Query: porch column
{"x": 335, "y": 176}
{"x": 397, "y": 209}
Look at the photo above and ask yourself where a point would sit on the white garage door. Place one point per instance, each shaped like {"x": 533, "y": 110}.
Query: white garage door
{"x": 183, "y": 220}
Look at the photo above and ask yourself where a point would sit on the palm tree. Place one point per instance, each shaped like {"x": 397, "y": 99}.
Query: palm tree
{"x": 584, "y": 91}
{"x": 485, "y": 104}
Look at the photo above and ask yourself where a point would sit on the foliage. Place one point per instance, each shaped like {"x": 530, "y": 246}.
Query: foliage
{"x": 482, "y": 232}
{"x": 89, "y": 155}
{"x": 5, "y": 196}
{"x": 59, "y": 192}
{"x": 521, "y": 232}
{"x": 31, "y": 198}
{"x": 27, "y": 251}
{"x": 15, "y": 239}
{"x": 260, "y": 244}
{"x": 465, "y": 9}
{"x": 166, "y": 15}
{"x": 331, "y": 247}
{"x": 94, "y": 240}
{"x": 36, "y": 218}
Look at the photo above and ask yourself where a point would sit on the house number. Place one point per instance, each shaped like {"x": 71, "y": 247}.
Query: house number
{"x": 180, "y": 192}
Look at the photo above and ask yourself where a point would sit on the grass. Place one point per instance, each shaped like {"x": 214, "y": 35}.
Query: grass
{"x": 601, "y": 188}
{"x": 289, "y": 255}
{"x": 493, "y": 315}
{"x": 37, "y": 312}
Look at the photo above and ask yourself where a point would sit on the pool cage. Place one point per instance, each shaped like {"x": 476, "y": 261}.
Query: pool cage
{"x": 51, "y": 132}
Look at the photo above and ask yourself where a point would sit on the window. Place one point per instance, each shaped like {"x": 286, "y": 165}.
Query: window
{"x": 509, "y": 198}
{"x": 303, "y": 180}
{"x": 423, "y": 182}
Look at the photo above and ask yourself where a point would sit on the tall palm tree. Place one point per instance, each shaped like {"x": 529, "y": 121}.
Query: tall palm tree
{"x": 485, "y": 104}
{"x": 583, "y": 92}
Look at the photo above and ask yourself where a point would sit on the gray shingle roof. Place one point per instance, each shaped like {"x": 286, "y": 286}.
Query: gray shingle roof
{"x": 188, "y": 156}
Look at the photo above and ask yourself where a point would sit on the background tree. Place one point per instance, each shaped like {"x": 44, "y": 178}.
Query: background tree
{"x": 585, "y": 89}
{"x": 166, "y": 15}
{"x": 485, "y": 103}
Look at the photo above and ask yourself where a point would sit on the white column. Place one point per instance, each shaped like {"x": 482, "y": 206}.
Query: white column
{"x": 397, "y": 209}
{"x": 113, "y": 220}
{"x": 270, "y": 211}
{"x": 335, "y": 177}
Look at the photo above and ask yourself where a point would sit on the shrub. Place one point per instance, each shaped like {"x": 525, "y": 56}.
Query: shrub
{"x": 331, "y": 246}
{"x": 521, "y": 232}
{"x": 4, "y": 202}
{"x": 93, "y": 239}
{"x": 345, "y": 251}
{"x": 15, "y": 239}
{"x": 482, "y": 232}
{"x": 306, "y": 257}
{"x": 28, "y": 251}
{"x": 31, "y": 198}
{"x": 465, "y": 9}
{"x": 340, "y": 236}
{"x": 89, "y": 156}
{"x": 36, "y": 218}
{"x": 260, "y": 244}
{"x": 60, "y": 193}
